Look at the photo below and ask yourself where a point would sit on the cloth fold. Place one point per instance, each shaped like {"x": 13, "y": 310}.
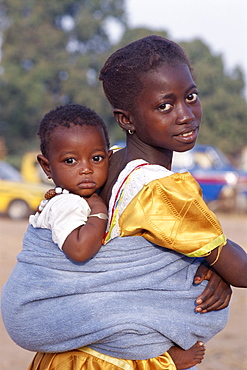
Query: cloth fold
{"x": 125, "y": 302}
{"x": 86, "y": 358}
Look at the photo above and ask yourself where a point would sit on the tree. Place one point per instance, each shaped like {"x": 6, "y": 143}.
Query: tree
{"x": 52, "y": 53}
{"x": 50, "y": 56}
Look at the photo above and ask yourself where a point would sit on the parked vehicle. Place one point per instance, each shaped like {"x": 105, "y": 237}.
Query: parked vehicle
{"x": 223, "y": 186}
{"x": 31, "y": 170}
{"x": 18, "y": 198}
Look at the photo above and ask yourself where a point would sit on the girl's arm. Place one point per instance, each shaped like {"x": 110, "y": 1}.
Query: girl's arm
{"x": 230, "y": 263}
{"x": 85, "y": 241}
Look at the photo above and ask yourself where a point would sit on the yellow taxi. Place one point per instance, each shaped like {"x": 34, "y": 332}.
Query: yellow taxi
{"x": 18, "y": 198}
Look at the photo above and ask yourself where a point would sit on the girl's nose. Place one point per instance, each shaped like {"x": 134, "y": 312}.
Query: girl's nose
{"x": 185, "y": 114}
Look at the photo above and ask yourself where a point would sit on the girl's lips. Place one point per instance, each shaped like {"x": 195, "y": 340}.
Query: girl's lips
{"x": 188, "y": 136}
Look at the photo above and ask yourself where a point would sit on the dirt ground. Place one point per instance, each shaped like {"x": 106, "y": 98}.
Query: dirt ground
{"x": 227, "y": 351}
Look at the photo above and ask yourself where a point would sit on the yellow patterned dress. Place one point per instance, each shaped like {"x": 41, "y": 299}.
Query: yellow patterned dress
{"x": 88, "y": 359}
{"x": 147, "y": 197}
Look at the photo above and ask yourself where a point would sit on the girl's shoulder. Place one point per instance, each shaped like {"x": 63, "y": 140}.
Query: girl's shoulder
{"x": 144, "y": 171}
{"x": 132, "y": 178}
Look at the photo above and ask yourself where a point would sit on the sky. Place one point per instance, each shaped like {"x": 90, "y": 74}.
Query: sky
{"x": 220, "y": 24}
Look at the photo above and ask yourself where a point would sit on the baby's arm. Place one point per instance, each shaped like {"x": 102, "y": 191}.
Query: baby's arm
{"x": 230, "y": 263}
{"x": 85, "y": 241}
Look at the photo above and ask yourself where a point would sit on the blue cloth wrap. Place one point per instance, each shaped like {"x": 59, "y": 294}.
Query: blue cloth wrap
{"x": 132, "y": 300}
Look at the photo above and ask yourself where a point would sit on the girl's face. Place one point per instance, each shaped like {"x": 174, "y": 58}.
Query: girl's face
{"x": 78, "y": 159}
{"x": 168, "y": 113}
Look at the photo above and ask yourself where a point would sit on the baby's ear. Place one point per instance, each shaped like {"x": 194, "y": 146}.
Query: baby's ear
{"x": 123, "y": 119}
{"x": 45, "y": 164}
{"x": 110, "y": 154}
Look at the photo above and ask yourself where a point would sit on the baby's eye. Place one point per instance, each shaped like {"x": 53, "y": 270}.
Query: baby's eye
{"x": 69, "y": 160}
{"x": 97, "y": 158}
{"x": 192, "y": 97}
{"x": 165, "y": 107}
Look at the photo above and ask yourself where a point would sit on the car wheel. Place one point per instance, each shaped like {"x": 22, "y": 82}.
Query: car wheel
{"x": 18, "y": 209}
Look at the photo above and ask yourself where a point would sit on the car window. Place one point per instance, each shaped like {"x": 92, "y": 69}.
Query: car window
{"x": 182, "y": 160}
{"x": 8, "y": 172}
{"x": 202, "y": 157}
{"x": 203, "y": 160}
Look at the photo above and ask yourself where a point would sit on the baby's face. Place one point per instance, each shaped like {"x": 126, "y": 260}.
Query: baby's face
{"x": 167, "y": 113}
{"x": 78, "y": 158}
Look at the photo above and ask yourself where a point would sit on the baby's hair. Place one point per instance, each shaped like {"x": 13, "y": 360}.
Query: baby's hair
{"x": 67, "y": 115}
{"x": 123, "y": 71}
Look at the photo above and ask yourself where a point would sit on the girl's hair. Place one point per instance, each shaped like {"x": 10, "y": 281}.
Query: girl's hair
{"x": 123, "y": 71}
{"x": 67, "y": 115}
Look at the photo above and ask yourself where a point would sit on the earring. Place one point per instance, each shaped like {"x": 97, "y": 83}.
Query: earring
{"x": 131, "y": 132}
{"x": 49, "y": 178}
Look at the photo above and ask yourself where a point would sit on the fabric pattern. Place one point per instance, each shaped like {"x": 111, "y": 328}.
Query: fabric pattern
{"x": 145, "y": 201}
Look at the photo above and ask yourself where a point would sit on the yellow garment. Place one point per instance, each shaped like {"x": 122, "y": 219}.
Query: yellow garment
{"x": 88, "y": 359}
{"x": 171, "y": 213}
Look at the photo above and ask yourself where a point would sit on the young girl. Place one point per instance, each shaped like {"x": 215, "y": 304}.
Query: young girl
{"x": 75, "y": 155}
{"x": 161, "y": 113}
{"x": 133, "y": 300}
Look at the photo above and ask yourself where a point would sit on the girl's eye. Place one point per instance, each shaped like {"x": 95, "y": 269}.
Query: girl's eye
{"x": 69, "y": 160}
{"x": 192, "y": 97}
{"x": 165, "y": 107}
{"x": 97, "y": 158}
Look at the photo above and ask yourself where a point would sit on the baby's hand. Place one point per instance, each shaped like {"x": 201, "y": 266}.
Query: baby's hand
{"x": 96, "y": 204}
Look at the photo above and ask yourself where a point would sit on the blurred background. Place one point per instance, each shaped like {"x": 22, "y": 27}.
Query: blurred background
{"x": 51, "y": 54}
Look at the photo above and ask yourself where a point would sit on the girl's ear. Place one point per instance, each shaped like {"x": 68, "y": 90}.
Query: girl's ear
{"x": 45, "y": 164}
{"x": 124, "y": 119}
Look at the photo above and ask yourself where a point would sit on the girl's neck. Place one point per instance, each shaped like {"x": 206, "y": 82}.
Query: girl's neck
{"x": 139, "y": 150}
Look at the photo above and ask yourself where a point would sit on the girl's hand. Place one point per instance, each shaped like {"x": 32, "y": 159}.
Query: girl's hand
{"x": 217, "y": 293}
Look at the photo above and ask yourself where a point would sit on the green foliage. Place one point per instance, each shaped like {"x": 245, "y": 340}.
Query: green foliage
{"x": 51, "y": 55}
{"x": 131, "y": 35}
